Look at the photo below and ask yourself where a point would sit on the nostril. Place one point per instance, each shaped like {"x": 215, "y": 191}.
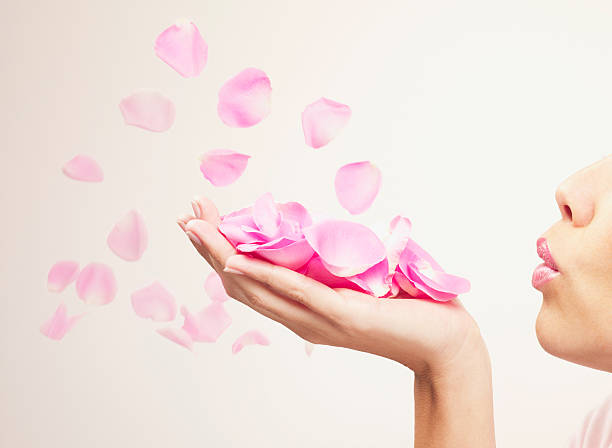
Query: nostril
{"x": 567, "y": 211}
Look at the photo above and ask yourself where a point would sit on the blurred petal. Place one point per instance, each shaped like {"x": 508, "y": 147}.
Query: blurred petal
{"x": 61, "y": 275}
{"x": 357, "y": 185}
{"x": 129, "y": 239}
{"x": 59, "y": 324}
{"x": 346, "y": 248}
{"x": 266, "y": 215}
{"x": 83, "y": 168}
{"x": 223, "y": 167}
{"x": 208, "y": 324}
{"x": 308, "y": 346}
{"x": 96, "y": 284}
{"x": 323, "y": 120}
{"x": 148, "y": 109}
{"x": 177, "y": 335}
{"x": 182, "y": 47}
{"x": 214, "y": 288}
{"x": 154, "y": 302}
{"x": 251, "y": 337}
{"x": 244, "y": 100}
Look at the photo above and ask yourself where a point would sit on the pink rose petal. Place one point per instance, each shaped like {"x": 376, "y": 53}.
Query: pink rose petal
{"x": 223, "y": 167}
{"x": 154, "y": 302}
{"x": 251, "y": 337}
{"x": 357, "y": 185}
{"x": 290, "y": 254}
{"x": 346, "y": 248}
{"x": 59, "y": 324}
{"x": 128, "y": 239}
{"x": 308, "y": 346}
{"x": 96, "y": 284}
{"x": 61, "y": 275}
{"x": 177, "y": 335}
{"x": 83, "y": 168}
{"x": 323, "y": 120}
{"x": 266, "y": 216}
{"x": 148, "y": 109}
{"x": 182, "y": 47}
{"x": 214, "y": 288}
{"x": 375, "y": 279}
{"x": 317, "y": 271}
{"x": 208, "y": 324}
{"x": 400, "y": 229}
{"x": 244, "y": 100}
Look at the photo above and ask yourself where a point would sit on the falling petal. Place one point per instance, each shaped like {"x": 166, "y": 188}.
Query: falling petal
{"x": 148, "y": 109}
{"x": 83, "y": 168}
{"x": 244, "y": 100}
{"x": 357, "y": 185}
{"x": 61, "y": 275}
{"x": 59, "y": 324}
{"x": 308, "y": 346}
{"x": 346, "y": 248}
{"x": 177, "y": 335}
{"x": 154, "y": 302}
{"x": 182, "y": 47}
{"x": 128, "y": 239}
{"x": 251, "y": 337}
{"x": 208, "y": 324}
{"x": 214, "y": 288}
{"x": 323, "y": 120}
{"x": 96, "y": 284}
{"x": 223, "y": 167}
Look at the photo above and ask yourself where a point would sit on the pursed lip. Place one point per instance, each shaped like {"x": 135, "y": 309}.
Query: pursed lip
{"x": 545, "y": 254}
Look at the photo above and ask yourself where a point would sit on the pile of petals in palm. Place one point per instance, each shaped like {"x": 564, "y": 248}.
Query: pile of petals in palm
{"x": 341, "y": 254}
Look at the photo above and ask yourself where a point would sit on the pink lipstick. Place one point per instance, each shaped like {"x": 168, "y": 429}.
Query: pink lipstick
{"x": 546, "y": 271}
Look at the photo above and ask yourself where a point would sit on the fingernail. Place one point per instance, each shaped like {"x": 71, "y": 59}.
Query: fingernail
{"x": 181, "y": 224}
{"x": 232, "y": 271}
{"x": 196, "y": 208}
{"x": 194, "y": 238}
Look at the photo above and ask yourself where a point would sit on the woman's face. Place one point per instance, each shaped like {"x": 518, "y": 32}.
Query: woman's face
{"x": 575, "y": 320}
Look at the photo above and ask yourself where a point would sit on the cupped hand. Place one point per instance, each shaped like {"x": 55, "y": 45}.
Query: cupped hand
{"x": 425, "y": 335}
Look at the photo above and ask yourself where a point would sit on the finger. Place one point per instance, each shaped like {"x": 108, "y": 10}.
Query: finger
{"x": 183, "y": 220}
{"x": 206, "y": 210}
{"x": 209, "y": 242}
{"x": 288, "y": 283}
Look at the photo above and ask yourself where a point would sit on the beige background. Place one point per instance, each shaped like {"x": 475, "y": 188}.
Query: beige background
{"x": 473, "y": 110}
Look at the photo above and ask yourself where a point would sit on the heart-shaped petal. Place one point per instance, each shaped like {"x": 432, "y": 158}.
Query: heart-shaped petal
{"x": 177, "y": 335}
{"x": 83, "y": 168}
{"x": 128, "y": 239}
{"x": 182, "y": 47}
{"x": 148, "y": 109}
{"x": 323, "y": 120}
{"x": 357, "y": 185}
{"x": 208, "y": 324}
{"x": 59, "y": 324}
{"x": 223, "y": 167}
{"x": 251, "y": 337}
{"x": 245, "y": 99}
{"x": 154, "y": 302}
{"x": 61, "y": 275}
{"x": 214, "y": 288}
{"x": 96, "y": 284}
{"x": 346, "y": 248}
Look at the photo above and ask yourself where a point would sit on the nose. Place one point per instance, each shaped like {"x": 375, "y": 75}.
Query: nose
{"x": 575, "y": 197}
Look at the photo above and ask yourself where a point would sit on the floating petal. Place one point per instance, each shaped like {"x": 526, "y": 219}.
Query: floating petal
{"x": 182, "y": 47}
{"x": 357, "y": 185}
{"x": 154, "y": 302}
{"x": 59, "y": 324}
{"x": 96, "y": 284}
{"x": 177, "y": 335}
{"x": 214, "y": 288}
{"x": 83, "y": 168}
{"x": 148, "y": 109}
{"x": 323, "y": 120}
{"x": 346, "y": 248}
{"x": 251, "y": 337}
{"x": 208, "y": 324}
{"x": 244, "y": 100}
{"x": 61, "y": 275}
{"x": 223, "y": 167}
{"x": 129, "y": 239}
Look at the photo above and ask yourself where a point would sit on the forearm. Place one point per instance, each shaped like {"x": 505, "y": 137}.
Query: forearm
{"x": 454, "y": 408}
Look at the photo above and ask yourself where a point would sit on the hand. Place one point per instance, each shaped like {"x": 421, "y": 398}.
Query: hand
{"x": 429, "y": 337}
